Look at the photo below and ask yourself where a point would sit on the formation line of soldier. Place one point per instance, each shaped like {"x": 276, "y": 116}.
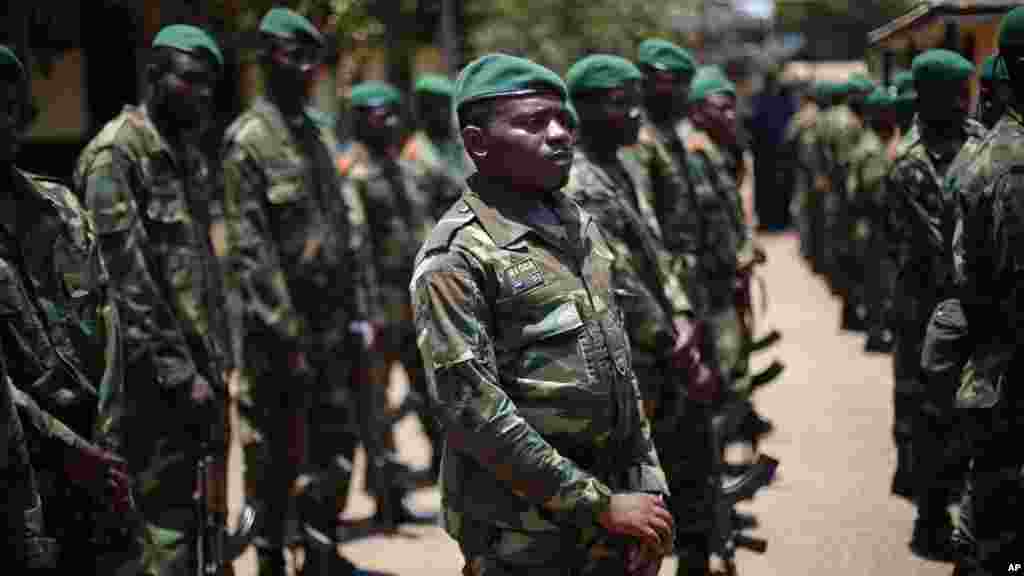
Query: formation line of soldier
{"x": 564, "y": 275}
{"x": 910, "y": 208}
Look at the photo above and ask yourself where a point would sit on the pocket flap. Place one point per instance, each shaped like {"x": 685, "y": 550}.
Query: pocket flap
{"x": 564, "y": 318}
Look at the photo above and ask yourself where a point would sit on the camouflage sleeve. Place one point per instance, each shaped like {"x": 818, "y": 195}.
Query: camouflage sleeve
{"x": 255, "y": 285}
{"x": 47, "y": 427}
{"x": 361, "y": 245}
{"x": 646, "y": 475}
{"x": 150, "y": 331}
{"x": 904, "y": 211}
{"x": 453, "y": 333}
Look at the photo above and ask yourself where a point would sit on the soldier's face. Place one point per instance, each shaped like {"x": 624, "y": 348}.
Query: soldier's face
{"x": 10, "y": 113}
{"x": 718, "y": 116}
{"x": 188, "y": 86}
{"x": 293, "y": 66}
{"x": 944, "y": 104}
{"x": 669, "y": 89}
{"x": 619, "y": 114}
{"x": 435, "y": 113}
{"x": 528, "y": 143}
{"x": 381, "y": 125}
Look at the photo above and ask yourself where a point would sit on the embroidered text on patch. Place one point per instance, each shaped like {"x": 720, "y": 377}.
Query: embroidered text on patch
{"x": 524, "y": 275}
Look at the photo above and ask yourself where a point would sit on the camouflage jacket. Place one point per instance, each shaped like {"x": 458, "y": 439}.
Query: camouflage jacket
{"x": 725, "y": 240}
{"x": 661, "y": 152}
{"x": 651, "y": 294}
{"x": 61, "y": 332}
{"x": 151, "y": 205}
{"x": 392, "y": 217}
{"x": 524, "y": 346}
{"x": 922, "y": 214}
{"x": 865, "y": 185}
{"x": 441, "y": 169}
{"x": 987, "y": 242}
{"x": 291, "y": 274}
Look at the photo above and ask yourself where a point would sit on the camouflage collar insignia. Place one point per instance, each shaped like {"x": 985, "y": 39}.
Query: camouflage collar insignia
{"x": 523, "y": 276}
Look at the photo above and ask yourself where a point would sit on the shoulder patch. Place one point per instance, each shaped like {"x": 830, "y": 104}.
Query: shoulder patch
{"x": 457, "y": 217}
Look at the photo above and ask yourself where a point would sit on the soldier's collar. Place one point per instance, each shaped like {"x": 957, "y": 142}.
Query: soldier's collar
{"x": 503, "y": 213}
{"x": 146, "y": 123}
{"x": 1014, "y": 114}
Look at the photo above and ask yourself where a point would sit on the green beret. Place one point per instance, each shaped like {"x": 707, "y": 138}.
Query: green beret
{"x": 288, "y": 24}
{"x": 434, "y": 84}
{"x": 1011, "y": 30}
{"x": 600, "y": 72}
{"x": 9, "y": 62}
{"x": 370, "y": 94}
{"x": 880, "y": 98}
{"x": 710, "y": 80}
{"x": 496, "y": 74}
{"x": 188, "y": 39}
{"x": 994, "y": 68}
{"x": 860, "y": 83}
{"x": 664, "y": 55}
{"x": 940, "y": 65}
{"x": 574, "y": 116}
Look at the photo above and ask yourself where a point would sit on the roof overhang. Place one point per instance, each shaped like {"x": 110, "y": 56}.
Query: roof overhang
{"x": 933, "y": 12}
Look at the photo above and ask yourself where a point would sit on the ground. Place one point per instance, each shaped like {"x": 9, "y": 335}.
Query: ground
{"x": 829, "y": 510}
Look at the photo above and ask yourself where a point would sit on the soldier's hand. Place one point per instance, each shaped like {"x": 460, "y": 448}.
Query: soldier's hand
{"x": 703, "y": 383}
{"x": 201, "y": 393}
{"x": 640, "y": 515}
{"x": 643, "y": 560}
{"x": 102, "y": 473}
{"x": 686, "y": 335}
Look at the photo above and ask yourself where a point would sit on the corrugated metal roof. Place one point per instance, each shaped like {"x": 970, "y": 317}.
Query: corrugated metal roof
{"x": 925, "y": 11}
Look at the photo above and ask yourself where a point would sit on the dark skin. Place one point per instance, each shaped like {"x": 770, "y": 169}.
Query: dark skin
{"x": 944, "y": 106}
{"x": 716, "y": 115}
{"x": 435, "y": 115}
{"x": 180, "y": 100}
{"x": 379, "y": 128}
{"x": 527, "y": 144}
{"x": 291, "y": 66}
{"x": 665, "y": 94}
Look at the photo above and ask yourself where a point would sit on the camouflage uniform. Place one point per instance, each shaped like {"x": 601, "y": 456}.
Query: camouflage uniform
{"x": 726, "y": 247}
{"x": 653, "y": 296}
{"x": 152, "y": 216}
{"x": 865, "y": 186}
{"x": 393, "y": 217}
{"x": 525, "y": 348}
{"x": 61, "y": 339}
{"x": 669, "y": 207}
{"x": 441, "y": 169}
{"x": 920, "y": 232}
{"x": 798, "y": 131}
{"x": 985, "y": 243}
{"x": 842, "y": 131}
{"x": 294, "y": 285}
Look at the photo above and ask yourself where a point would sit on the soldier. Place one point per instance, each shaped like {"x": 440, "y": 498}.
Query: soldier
{"x": 921, "y": 218}
{"x": 797, "y": 129}
{"x": 985, "y": 246}
{"x": 434, "y": 150}
{"x": 906, "y": 100}
{"x": 869, "y": 167}
{"x": 818, "y": 179}
{"x": 61, "y": 344}
{"x": 393, "y": 217}
{"x": 667, "y": 70}
{"x": 608, "y": 183}
{"x": 147, "y": 183}
{"x": 549, "y": 465}
{"x": 296, "y": 288}
{"x": 994, "y": 91}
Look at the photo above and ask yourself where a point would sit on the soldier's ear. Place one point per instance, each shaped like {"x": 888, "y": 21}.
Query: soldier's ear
{"x": 475, "y": 141}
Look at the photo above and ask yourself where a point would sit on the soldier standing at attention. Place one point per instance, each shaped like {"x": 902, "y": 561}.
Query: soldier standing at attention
{"x": 994, "y": 92}
{"x": 296, "y": 291}
{"x": 920, "y": 232}
{"x": 667, "y": 70}
{"x": 608, "y": 182}
{"x": 435, "y": 152}
{"x": 147, "y": 184}
{"x": 392, "y": 219}
{"x": 987, "y": 250}
{"x": 61, "y": 343}
{"x": 549, "y": 465}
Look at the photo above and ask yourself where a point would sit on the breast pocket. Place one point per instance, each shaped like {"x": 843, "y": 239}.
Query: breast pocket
{"x": 174, "y": 247}
{"x": 287, "y": 205}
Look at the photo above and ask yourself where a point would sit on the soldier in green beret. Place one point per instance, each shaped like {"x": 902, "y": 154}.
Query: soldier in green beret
{"x": 63, "y": 357}
{"x": 793, "y": 139}
{"x": 434, "y": 150}
{"x": 920, "y": 228}
{"x": 549, "y": 466}
{"x": 816, "y": 171}
{"x": 986, "y": 182}
{"x": 610, "y": 184}
{"x": 993, "y": 91}
{"x": 148, "y": 185}
{"x": 297, "y": 292}
{"x": 667, "y": 70}
{"x": 905, "y": 101}
{"x": 392, "y": 218}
